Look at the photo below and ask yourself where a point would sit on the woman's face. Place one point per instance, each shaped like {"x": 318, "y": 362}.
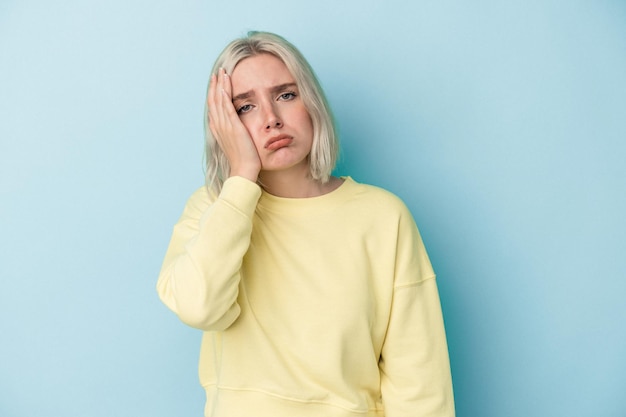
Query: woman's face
{"x": 269, "y": 105}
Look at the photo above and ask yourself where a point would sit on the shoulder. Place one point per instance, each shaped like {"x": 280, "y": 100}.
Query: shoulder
{"x": 202, "y": 195}
{"x": 377, "y": 198}
{"x": 198, "y": 202}
{"x": 236, "y": 192}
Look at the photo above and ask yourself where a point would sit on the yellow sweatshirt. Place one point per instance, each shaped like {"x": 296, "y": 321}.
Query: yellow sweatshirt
{"x": 313, "y": 307}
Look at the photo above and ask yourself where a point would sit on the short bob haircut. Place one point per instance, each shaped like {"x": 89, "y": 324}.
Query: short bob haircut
{"x": 325, "y": 147}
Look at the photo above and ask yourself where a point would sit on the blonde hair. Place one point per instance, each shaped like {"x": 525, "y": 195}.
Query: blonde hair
{"x": 325, "y": 148}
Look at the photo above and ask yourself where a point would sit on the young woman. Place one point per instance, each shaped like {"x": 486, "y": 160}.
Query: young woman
{"x": 315, "y": 293}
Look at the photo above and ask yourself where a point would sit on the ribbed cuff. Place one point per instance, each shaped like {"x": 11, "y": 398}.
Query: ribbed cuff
{"x": 241, "y": 193}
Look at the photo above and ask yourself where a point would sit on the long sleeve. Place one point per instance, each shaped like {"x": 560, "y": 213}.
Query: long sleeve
{"x": 414, "y": 365}
{"x": 200, "y": 276}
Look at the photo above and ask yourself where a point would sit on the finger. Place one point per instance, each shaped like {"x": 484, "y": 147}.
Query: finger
{"x": 211, "y": 103}
{"x": 219, "y": 93}
{"x": 223, "y": 125}
{"x": 221, "y": 102}
{"x": 228, "y": 86}
{"x": 214, "y": 111}
{"x": 229, "y": 107}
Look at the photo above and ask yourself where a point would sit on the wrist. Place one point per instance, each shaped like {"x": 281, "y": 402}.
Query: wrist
{"x": 251, "y": 174}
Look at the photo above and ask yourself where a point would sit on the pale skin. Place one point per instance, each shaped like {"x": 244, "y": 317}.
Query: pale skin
{"x": 262, "y": 126}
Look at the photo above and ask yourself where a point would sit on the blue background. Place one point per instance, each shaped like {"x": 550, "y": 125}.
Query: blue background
{"x": 501, "y": 124}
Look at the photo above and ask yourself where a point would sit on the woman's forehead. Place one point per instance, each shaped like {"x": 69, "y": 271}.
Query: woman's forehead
{"x": 260, "y": 71}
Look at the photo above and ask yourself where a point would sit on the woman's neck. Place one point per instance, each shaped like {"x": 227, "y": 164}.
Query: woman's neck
{"x": 280, "y": 184}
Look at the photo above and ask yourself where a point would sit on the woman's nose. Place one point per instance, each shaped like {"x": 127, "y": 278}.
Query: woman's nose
{"x": 272, "y": 119}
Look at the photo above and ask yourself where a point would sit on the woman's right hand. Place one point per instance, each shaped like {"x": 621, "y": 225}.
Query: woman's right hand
{"x": 230, "y": 133}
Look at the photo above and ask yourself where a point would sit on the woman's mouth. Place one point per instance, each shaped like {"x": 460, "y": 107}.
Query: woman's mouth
{"x": 278, "y": 142}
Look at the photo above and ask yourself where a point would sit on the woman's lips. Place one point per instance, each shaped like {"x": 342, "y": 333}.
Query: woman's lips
{"x": 278, "y": 142}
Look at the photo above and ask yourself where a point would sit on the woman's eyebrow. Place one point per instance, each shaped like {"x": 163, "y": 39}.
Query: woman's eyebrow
{"x": 273, "y": 90}
{"x": 283, "y": 87}
{"x": 243, "y": 96}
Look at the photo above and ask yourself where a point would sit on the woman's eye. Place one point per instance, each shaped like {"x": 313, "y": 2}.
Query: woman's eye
{"x": 244, "y": 109}
{"x": 287, "y": 96}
